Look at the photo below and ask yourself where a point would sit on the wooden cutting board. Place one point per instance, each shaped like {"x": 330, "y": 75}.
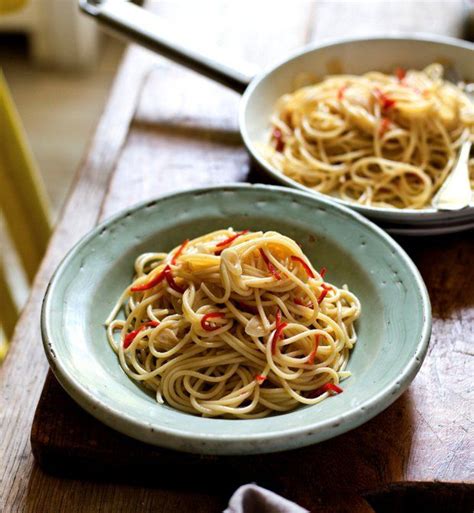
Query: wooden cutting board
{"x": 370, "y": 461}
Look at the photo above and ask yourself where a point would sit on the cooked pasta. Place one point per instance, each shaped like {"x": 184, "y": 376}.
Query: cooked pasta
{"x": 376, "y": 139}
{"x": 234, "y": 324}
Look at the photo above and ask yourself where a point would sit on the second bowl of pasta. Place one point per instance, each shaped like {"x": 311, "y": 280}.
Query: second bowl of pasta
{"x": 376, "y": 123}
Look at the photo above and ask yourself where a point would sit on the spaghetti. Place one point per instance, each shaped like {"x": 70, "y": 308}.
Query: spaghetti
{"x": 234, "y": 324}
{"x": 376, "y": 139}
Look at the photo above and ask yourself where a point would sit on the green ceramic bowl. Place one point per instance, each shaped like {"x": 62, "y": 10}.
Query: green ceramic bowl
{"x": 393, "y": 330}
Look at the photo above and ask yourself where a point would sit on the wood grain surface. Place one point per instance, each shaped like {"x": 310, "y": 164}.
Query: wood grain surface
{"x": 167, "y": 129}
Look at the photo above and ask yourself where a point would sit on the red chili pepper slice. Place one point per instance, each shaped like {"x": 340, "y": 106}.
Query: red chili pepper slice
{"x": 312, "y": 355}
{"x": 228, "y": 241}
{"x": 400, "y": 73}
{"x": 324, "y": 293}
{"x": 385, "y": 102}
{"x": 260, "y": 378}
{"x": 278, "y": 136}
{"x": 384, "y": 126}
{"x": 322, "y": 272}
{"x": 277, "y": 335}
{"x": 170, "y": 280}
{"x": 179, "y": 251}
{"x": 269, "y": 265}
{"x": 341, "y": 91}
{"x": 280, "y": 326}
{"x": 332, "y": 387}
{"x": 328, "y": 387}
{"x": 213, "y": 315}
{"x": 306, "y": 267}
{"x": 150, "y": 284}
{"x": 131, "y": 336}
{"x": 388, "y": 103}
{"x": 278, "y": 317}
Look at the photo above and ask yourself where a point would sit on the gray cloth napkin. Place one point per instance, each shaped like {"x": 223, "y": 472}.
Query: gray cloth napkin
{"x": 251, "y": 498}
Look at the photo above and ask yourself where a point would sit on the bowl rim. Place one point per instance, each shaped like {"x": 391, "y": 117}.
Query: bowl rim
{"x": 410, "y": 216}
{"x": 231, "y": 443}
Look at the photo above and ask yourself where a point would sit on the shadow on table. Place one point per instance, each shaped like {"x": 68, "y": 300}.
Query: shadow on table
{"x": 188, "y": 128}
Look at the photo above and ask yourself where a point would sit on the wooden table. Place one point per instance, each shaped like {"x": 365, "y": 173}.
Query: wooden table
{"x": 165, "y": 129}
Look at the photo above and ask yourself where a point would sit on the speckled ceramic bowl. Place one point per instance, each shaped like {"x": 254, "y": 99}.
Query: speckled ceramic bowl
{"x": 393, "y": 330}
{"x": 357, "y": 55}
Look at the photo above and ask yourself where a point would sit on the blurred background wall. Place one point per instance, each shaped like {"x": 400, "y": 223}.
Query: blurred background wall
{"x": 59, "y": 68}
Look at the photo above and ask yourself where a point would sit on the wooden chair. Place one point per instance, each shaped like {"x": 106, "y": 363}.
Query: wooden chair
{"x": 23, "y": 206}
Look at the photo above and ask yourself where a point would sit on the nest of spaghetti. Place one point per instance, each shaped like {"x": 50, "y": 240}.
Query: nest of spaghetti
{"x": 234, "y": 325}
{"x": 382, "y": 140}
